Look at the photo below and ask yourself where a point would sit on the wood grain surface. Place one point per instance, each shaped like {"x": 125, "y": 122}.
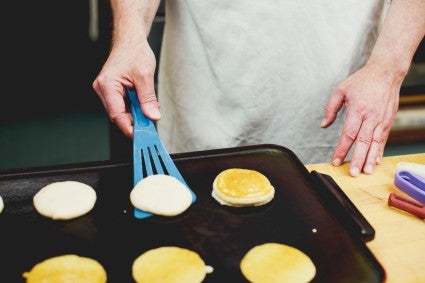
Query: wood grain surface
{"x": 399, "y": 243}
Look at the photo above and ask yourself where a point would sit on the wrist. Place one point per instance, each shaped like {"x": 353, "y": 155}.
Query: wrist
{"x": 393, "y": 68}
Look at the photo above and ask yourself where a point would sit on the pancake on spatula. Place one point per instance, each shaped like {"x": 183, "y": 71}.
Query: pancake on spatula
{"x": 277, "y": 263}
{"x": 242, "y": 187}
{"x": 65, "y": 269}
{"x": 161, "y": 194}
{"x": 169, "y": 264}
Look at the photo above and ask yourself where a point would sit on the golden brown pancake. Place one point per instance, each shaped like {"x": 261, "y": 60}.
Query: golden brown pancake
{"x": 65, "y": 269}
{"x": 277, "y": 263}
{"x": 169, "y": 265}
{"x": 242, "y": 187}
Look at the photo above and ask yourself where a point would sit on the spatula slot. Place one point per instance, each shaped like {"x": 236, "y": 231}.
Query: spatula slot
{"x": 162, "y": 165}
{"x": 152, "y": 161}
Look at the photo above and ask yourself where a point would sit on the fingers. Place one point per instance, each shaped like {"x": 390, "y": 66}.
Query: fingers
{"x": 376, "y": 150}
{"x": 367, "y": 148}
{"x": 367, "y": 136}
{"x": 348, "y": 136}
{"x": 368, "y": 141}
{"x": 351, "y": 127}
{"x": 382, "y": 144}
{"x": 124, "y": 122}
{"x": 112, "y": 97}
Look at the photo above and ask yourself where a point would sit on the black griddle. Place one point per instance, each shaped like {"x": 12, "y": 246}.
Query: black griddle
{"x": 309, "y": 212}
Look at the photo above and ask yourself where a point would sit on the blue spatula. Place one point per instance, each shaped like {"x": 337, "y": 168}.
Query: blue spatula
{"x": 149, "y": 154}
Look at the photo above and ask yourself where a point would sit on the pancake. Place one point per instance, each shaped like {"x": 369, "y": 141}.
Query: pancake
{"x": 162, "y": 195}
{"x": 1, "y": 204}
{"x": 242, "y": 187}
{"x": 65, "y": 269}
{"x": 277, "y": 263}
{"x": 65, "y": 200}
{"x": 169, "y": 265}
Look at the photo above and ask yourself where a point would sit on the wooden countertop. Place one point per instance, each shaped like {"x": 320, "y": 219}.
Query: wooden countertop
{"x": 399, "y": 243}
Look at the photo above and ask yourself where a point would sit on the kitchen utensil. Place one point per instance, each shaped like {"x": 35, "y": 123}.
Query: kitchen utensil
{"x": 417, "y": 168}
{"x": 407, "y": 205}
{"x": 412, "y": 184}
{"x": 149, "y": 154}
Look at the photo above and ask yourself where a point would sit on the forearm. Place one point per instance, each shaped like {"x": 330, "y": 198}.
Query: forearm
{"x": 132, "y": 19}
{"x": 400, "y": 36}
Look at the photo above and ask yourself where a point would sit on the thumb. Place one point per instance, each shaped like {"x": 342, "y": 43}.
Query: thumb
{"x": 148, "y": 101}
{"x": 334, "y": 104}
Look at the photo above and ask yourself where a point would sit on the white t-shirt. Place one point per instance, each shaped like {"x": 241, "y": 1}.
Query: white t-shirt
{"x": 243, "y": 72}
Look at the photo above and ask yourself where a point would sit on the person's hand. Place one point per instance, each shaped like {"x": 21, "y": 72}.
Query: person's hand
{"x": 371, "y": 97}
{"x": 130, "y": 66}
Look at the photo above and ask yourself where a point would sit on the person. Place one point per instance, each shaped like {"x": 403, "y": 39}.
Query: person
{"x": 321, "y": 78}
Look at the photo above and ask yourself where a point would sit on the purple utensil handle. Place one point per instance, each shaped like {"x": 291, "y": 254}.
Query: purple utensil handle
{"x": 412, "y": 184}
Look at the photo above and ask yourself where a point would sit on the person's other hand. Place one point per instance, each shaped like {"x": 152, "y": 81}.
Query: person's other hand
{"x": 371, "y": 97}
{"x": 130, "y": 66}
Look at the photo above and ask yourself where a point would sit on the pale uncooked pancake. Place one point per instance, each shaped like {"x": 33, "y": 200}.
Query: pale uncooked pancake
{"x": 65, "y": 200}
{"x": 65, "y": 269}
{"x": 162, "y": 195}
{"x": 1, "y": 204}
{"x": 169, "y": 265}
{"x": 242, "y": 187}
{"x": 277, "y": 263}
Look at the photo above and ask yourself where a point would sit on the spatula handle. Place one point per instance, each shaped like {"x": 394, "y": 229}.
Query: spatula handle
{"x": 139, "y": 119}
